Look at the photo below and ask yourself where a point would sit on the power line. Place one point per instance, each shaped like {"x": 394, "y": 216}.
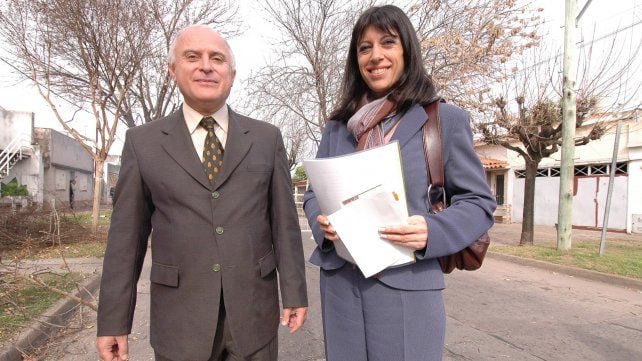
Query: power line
{"x": 40, "y": 84}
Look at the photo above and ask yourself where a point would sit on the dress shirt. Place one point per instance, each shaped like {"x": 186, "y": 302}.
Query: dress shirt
{"x": 198, "y": 133}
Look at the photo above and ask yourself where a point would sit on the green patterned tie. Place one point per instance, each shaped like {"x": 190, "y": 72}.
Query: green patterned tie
{"x": 212, "y": 150}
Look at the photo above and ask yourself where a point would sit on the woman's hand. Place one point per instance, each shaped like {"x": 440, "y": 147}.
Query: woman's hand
{"x": 329, "y": 232}
{"x": 413, "y": 235}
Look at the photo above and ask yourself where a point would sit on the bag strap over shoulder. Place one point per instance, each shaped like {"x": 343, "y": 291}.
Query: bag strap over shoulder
{"x": 433, "y": 144}
{"x": 433, "y": 153}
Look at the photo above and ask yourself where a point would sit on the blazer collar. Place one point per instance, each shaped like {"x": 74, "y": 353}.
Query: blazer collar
{"x": 409, "y": 124}
{"x": 180, "y": 147}
{"x": 178, "y": 144}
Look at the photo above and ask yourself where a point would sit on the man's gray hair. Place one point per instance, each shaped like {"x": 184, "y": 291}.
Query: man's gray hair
{"x": 171, "y": 56}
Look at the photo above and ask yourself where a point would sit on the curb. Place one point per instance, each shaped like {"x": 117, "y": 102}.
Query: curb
{"x": 627, "y": 282}
{"x": 38, "y": 333}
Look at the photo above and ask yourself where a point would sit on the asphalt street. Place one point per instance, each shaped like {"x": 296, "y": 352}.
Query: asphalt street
{"x": 503, "y": 311}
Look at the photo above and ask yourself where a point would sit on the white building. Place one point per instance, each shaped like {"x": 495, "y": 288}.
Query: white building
{"x": 44, "y": 160}
{"x": 505, "y": 172}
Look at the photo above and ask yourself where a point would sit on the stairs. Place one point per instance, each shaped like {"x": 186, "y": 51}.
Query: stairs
{"x": 12, "y": 154}
{"x": 303, "y": 221}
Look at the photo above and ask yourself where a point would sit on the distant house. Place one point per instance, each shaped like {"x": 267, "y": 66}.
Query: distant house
{"x": 112, "y": 170}
{"x": 505, "y": 174}
{"x": 46, "y": 161}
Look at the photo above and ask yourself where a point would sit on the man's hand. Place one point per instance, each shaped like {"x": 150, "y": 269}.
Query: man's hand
{"x": 328, "y": 231}
{"x": 413, "y": 235}
{"x": 294, "y": 317}
{"x": 112, "y": 348}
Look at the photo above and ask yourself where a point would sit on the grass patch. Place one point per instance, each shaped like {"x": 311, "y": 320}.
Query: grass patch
{"x": 90, "y": 249}
{"x": 84, "y": 218}
{"x": 620, "y": 257}
{"x": 21, "y": 301}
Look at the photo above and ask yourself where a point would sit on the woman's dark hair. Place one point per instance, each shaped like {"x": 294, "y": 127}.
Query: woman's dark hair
{"x": 414, "y": 86}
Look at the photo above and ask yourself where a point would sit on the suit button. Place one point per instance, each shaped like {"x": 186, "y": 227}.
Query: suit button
{"x": 216, "y": 267}
{"x": 215, "y": 195}
{"x": 219, "y": 230}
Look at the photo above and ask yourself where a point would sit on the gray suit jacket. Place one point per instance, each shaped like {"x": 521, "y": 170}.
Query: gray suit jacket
{"x": 228, "y": 237}
{"x": 471, "y": 203}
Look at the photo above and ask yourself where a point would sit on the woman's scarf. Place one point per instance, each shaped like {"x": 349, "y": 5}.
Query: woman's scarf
{"x": 365, "y": 125}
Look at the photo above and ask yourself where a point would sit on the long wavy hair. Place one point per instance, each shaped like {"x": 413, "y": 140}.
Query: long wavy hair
{"x": 414, "y": 86}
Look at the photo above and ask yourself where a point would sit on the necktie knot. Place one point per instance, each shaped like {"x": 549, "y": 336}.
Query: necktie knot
{"x": 208, "y": 123}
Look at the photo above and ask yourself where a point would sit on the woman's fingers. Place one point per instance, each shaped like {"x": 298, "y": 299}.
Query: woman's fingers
{"x": 326, "y": 227}
{"x": 413, "y": 235}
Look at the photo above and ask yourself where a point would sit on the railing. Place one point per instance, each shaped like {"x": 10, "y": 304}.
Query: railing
{"x": 11, "y": 154}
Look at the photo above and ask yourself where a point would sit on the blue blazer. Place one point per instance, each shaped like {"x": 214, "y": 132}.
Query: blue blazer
{"x": 469, "y": 215}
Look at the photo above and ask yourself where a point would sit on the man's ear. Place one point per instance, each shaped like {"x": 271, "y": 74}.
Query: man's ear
{"x": 170, "y": 68}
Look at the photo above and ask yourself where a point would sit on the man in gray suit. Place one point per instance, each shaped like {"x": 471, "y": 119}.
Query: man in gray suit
{"x": 213, "y": 188}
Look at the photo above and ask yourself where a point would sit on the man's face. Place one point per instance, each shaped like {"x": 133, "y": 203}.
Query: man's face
{"x": 202, "y": 69}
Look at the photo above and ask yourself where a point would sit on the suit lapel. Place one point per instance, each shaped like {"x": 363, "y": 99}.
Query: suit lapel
{"x": 179, "y": 146}
{"x": 409, "y": 125}
{"x": 237, "y": 145}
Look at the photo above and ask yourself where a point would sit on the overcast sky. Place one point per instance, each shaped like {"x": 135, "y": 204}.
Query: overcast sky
{"x": 252, "y": 49}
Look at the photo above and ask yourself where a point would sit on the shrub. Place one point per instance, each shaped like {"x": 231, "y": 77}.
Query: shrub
{"x": 13, "y": 189}
{"x": 299, "y": 174}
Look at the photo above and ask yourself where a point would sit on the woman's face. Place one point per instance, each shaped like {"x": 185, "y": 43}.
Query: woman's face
{"x": 380, "y": 58}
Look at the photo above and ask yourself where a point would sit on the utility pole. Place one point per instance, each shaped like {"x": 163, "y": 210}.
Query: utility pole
{"x": 565, "y": 210}
{"x": 609, "y": 194}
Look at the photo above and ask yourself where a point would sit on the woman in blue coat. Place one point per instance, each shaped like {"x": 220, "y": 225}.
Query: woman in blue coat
{"x": 399, "y": 313}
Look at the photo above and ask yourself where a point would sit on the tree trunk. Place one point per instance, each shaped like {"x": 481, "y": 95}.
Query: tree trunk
{"x": 528, "y": 213}
{"x": 98, "y": 178}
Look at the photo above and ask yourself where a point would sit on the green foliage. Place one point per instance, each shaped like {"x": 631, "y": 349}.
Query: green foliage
{"x": 20, "y": 300}
{"x": 13, "y": 189}
{"x": 84, "y": 218}
{"x": 299, "y": 174}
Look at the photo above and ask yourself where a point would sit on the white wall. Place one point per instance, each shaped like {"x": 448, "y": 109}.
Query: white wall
{"x": 15, "y": 124}
{"x": 546, "y": 200}
{"x": 634, "y": 200}
{"x": 29, "y": 172}
{"x": 589, "y": 202}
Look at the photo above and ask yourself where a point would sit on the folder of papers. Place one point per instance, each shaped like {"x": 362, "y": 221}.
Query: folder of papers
{"x": 360, "y": 193}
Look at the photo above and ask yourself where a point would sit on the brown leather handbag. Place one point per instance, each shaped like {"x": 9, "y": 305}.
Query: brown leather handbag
{"x": 471, "y": 257}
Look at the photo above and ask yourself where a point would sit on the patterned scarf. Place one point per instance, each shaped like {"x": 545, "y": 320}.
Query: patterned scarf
{"x": 365, "y": 125}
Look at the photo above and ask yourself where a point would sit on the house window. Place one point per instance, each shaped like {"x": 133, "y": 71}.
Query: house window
{"x": 581, "y": 170}
{"x": 499, "y": 189}
{"x": 599, "y": 169}
{"x": 622, "y": 168}
{"x": 61, "y": 180}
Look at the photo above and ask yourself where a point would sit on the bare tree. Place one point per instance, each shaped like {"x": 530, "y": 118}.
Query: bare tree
{"x": 466, "y": 44}
{"x": 105, "y": 57}
{"x": 532, "y": 125}
{"x": 86, "y": 52}
{"x": 301, "y": 88}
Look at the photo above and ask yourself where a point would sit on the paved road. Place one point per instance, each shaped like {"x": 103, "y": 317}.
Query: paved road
{"x": 503, "y": 311}
{"x": 510, "y": 311}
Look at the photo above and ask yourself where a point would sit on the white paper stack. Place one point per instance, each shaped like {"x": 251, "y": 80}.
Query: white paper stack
{"x": 360, "y": 193}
